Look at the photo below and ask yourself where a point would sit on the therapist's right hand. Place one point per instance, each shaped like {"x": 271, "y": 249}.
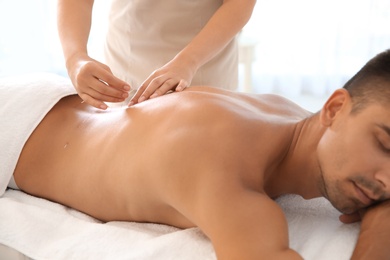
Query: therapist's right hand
{"x": 95, "y": 83}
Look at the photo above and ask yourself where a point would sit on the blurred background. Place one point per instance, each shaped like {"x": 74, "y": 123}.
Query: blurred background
{"x": 302, "y": 49}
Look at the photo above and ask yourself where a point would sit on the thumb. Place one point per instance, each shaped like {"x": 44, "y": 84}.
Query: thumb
{"x": 350, "y": 218}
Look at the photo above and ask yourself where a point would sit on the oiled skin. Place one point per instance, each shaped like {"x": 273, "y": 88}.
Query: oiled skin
{"x": 195, "y": 158}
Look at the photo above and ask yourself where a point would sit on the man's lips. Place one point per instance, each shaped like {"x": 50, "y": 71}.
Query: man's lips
{"x": 362, "y": 196}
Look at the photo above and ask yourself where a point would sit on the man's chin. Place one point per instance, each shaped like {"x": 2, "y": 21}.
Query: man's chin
{"x": 344, "y": 209}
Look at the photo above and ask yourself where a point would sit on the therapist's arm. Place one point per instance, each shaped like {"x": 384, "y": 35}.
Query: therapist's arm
{"x": 93, "y": 80}
{"x": 177, "y": 74}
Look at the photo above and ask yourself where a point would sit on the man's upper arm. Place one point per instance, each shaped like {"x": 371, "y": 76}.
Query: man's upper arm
{"x": 244, "y": 224}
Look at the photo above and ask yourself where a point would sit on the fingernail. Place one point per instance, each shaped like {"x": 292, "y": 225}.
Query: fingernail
{"x": 142, "y": 98}
{"x": 125, "y": 95}
{"x": 179, "y": 89}
{"x": 127, "y": 88}
{"x": 104, "y": 107}
{"x": 131, "y": 103}
{"x": 154, "y": 95}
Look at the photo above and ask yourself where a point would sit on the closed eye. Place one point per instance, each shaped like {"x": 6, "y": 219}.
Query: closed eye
{"x": 383, "y": 147}
{"x": 383, "y": 138}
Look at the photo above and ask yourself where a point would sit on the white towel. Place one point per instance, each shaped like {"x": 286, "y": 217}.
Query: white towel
{"x": 315, "y": 230}
{"x": 44, "y": 230}
{"x": 24, "y": 101}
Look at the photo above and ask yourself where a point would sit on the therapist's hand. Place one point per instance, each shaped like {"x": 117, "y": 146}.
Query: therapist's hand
{"x": 95, "y": 83}
{"x": 175, "y": 75}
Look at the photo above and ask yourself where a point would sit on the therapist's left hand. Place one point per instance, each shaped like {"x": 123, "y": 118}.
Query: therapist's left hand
{"x": 175, "y": 75}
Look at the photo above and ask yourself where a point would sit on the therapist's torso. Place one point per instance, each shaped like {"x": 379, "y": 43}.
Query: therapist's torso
{"x": 143, "y": 35}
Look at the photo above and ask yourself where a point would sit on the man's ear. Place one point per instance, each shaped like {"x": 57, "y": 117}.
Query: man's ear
{"x": 337, "y": 102}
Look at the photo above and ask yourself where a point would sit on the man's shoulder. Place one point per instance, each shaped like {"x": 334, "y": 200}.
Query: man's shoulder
{"x": 266, "y": 105}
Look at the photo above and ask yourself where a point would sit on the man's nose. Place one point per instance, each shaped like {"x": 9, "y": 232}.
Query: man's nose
{"x": 383, "y": 177}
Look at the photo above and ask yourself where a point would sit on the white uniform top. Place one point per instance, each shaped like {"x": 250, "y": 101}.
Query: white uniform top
{"x": 143, "y": 35}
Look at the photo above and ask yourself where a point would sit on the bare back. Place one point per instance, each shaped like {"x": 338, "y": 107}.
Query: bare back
{"x": 148, "y": 162}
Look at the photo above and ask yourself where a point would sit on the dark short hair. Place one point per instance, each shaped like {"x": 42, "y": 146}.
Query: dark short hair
{"x": 371, "y": 83}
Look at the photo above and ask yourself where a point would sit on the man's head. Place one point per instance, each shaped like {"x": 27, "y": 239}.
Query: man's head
{"x": 354, "y": 150}
{"x": 371, "y": 83}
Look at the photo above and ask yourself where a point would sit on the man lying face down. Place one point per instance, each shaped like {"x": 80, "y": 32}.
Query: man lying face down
{"x": 216, "y": 159}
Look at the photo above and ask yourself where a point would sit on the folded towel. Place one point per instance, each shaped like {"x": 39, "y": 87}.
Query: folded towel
{"x": 24, "y": 100}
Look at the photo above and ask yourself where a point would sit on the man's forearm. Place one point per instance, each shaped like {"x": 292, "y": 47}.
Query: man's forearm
{"x": 74, "y": 24}
{"x": 372, "y": 245}
{"x": 374, "y": 237}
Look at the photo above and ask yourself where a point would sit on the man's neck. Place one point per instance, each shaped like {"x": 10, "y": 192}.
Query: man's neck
{"x": 299, "y": 171}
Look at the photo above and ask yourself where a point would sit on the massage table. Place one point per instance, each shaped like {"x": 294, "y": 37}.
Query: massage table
{"x": 35, "y": 228}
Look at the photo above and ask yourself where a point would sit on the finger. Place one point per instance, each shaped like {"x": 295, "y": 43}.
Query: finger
{"x": 182, "y": 85}
{"x": 140, "y": 90}
{"x": 143, "y": 93}
{"x": 137, "y": 95}
{"x": 350, "y": 218}
{"x": 115, "y": 83}
{"x": 151, "y": 88}
{"x": 164, "y": 88}
{"x": 105, "y": 98}
{"x": 106, "y": 76}
{"x": 92, "y": 81}
{"x": 107, "y": 91}
{"x": 96, "y": 99}
{"x": 93, "y": 102}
